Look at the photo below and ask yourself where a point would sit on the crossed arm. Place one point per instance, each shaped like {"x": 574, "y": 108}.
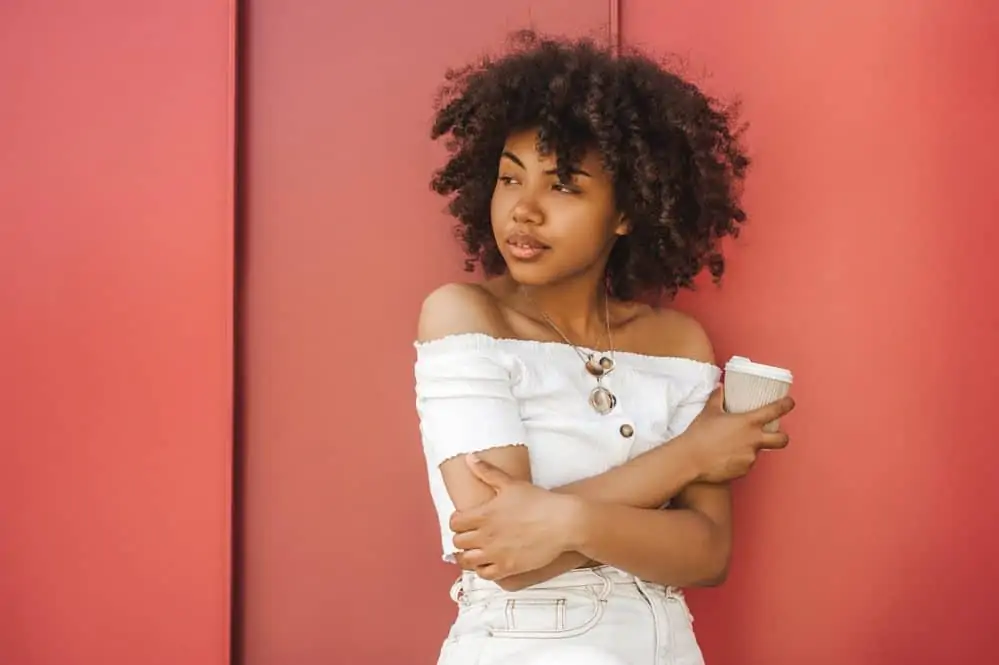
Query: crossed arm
{"x": 617, "y": 518}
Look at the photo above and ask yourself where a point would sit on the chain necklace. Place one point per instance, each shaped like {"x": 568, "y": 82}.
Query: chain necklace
{"x": 601, "y": 398}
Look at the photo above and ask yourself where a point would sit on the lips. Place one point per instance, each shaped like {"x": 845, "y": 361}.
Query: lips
{"x": 524, "y": 246}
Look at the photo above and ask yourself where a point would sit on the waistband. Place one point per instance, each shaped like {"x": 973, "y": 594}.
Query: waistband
{"x": 605, "y": 577}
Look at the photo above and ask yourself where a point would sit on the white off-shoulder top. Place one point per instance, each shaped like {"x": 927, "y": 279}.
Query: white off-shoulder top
{"x": 475, "y": 392}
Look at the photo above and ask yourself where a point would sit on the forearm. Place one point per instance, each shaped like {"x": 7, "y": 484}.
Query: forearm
{"x": 674, "y": 547}
{"x": 563, "y": 564}
{"x": 649, "y": 480}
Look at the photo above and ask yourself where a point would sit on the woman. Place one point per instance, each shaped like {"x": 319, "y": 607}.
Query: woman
{"x": 586, "y": 185}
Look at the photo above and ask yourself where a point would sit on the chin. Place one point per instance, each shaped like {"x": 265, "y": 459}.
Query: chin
{"x": 531, "y": 274}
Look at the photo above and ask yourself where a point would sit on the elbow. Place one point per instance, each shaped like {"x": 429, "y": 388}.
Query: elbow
{"x": 716, "y": 565}
{"x": 715, "y": 577}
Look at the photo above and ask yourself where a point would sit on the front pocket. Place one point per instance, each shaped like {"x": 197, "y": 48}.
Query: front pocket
{"x": 548, "y": 614}
{"x": 535, "y": 614}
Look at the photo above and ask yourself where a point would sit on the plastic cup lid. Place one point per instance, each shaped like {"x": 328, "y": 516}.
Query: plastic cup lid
{"x": 747, "y": 366}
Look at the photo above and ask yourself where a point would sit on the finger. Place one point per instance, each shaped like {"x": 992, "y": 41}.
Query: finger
{"x": 488, "y": 572}
{"x": 475, "y": 559}
{"x": 773, "y": 441}
{"x": 491, "y": 475}
{"x": 771, "y": 411}
{"x": 467, "y": 540}
{"x": 467, "y": 520}
{"x": 463, "y": 563}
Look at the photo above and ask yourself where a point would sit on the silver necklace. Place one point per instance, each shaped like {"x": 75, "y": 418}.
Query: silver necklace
{"x": 601, "y": 398}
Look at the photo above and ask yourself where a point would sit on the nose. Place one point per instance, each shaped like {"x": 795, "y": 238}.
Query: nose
{"x": 527, "y": 212}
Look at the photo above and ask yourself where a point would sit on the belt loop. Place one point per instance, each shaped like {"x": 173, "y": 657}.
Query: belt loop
{"x": 608, "y": 584}
{"x": 458, "y": 592}
{"x": 675, "y": 594}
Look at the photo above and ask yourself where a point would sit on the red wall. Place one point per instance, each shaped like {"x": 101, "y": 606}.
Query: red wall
{"x": 344, "y": 239}
{"x": 115, "y": 343}
{"x": 866, "y": 269}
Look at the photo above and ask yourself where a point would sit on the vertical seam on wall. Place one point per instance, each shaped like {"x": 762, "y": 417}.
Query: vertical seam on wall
{"x": 614, "y": 25}
{"x": 237, "y": 23}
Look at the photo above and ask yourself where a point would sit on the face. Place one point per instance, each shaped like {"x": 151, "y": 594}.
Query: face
{"x": 549, "y": 231}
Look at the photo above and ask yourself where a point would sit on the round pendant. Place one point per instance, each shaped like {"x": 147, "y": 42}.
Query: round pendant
{"x": 607, "y": 364}
{"x": 602, "y": 400}
{"x": 599, "y": 366}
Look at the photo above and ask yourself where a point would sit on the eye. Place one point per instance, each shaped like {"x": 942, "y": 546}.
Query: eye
{"x": 564, "y": 188}
{"x": 508, "y": 180}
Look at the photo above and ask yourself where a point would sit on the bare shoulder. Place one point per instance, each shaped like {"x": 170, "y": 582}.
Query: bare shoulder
{"x": 459, "y": 308}
{"x": 668, "y": 332}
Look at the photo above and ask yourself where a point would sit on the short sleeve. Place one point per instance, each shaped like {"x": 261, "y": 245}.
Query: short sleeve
{"x": 465, "y": 400}
{"x": 696, "y": 397}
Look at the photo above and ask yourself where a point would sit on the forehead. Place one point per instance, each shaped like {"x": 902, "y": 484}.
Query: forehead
{"x": 524, "y": 144}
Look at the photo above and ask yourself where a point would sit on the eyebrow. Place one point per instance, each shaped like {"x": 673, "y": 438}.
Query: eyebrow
{"x": 516, "y": 160}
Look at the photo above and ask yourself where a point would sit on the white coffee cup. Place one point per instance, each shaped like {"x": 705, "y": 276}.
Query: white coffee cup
{"x": 750, "y": 385}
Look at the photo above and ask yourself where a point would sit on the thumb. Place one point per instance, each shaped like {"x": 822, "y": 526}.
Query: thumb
{"x": 716, "y": 402}
{"x": 491, "y": 475}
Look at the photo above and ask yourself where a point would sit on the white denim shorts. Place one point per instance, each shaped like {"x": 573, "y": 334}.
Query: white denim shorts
{"x": 596, "y": 616}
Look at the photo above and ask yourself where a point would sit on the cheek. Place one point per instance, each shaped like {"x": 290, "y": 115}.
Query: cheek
{"x": 500, "y": 205}
{"x": 585, "y": 230}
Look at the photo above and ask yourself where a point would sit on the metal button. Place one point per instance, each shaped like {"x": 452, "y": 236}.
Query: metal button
{"x": 627, "y": 431}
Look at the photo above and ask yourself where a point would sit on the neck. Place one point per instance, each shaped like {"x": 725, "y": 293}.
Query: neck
{"x": 577, "y": 307}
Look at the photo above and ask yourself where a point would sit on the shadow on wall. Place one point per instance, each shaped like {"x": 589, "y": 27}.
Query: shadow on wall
{"x": 343, "y": 240}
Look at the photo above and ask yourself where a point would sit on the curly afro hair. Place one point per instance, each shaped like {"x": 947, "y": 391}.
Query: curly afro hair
{"x": 672, "y": 153}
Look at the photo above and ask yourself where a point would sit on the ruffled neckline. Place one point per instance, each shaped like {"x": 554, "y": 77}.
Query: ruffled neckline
{"x": 482, "y": 342}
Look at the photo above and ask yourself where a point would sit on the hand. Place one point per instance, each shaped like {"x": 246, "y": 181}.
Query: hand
{"x": 522, "y": 528}
{"x": 725, "y": 445}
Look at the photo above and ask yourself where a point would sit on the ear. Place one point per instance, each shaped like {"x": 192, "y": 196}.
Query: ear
{"x": 623, "y": 226}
